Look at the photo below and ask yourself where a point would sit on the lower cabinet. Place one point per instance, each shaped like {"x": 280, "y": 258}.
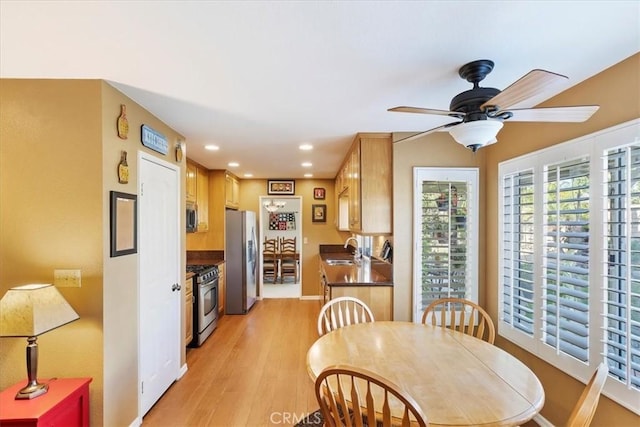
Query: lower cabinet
{"x": 379, "y": 298}
{"x": 188, "y": 310}
{"x": 222, "y": 285}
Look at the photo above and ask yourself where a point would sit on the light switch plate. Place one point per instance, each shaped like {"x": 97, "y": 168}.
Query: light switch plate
{"x": 67, "y": 278}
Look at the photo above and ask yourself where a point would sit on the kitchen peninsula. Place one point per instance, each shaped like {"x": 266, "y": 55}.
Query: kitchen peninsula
{"x": 370, "y": 280}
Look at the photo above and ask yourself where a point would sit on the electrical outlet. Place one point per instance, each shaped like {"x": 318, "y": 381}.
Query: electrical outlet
{"x": 67, "y": 278}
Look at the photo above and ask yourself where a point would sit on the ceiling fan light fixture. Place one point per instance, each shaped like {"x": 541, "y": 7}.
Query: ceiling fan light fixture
{"x": 476, "y": 134}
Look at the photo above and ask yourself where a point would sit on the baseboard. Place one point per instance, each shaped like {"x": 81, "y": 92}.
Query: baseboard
{"x": 183, "y": 370}
{"x": 311, "y": 297}
{"x": 136, "y": 423}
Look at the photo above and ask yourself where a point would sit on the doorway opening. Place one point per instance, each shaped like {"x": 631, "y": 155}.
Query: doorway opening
{"x": 280, "y": 218}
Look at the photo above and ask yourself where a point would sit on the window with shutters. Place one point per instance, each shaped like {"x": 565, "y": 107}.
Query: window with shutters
{"x": 569, "y": 242}
{"x": 446, "y": 230}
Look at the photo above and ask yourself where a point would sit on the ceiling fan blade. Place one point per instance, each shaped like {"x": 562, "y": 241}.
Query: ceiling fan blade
{"x": 533, "y": 84}
{"x": 553, "y": 114}
{"x": 426, "y": 111}
{"x": 426, "y": 132}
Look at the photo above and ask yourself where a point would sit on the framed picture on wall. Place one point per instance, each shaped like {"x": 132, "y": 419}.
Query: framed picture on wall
{"x": 281, "y": 187}
{"x": 318, "y": 193}
{"x": 124, "y": 225}
{"x": 319, "y": 213}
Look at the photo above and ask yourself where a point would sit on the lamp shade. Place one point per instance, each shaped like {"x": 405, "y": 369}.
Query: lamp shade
{"x": 31, "y": 310}
{"x": 477, "y": 133}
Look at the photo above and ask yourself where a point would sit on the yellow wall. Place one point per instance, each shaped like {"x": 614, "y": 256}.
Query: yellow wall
{"x": 58, "y": 156}
{"x": 617, "y": 91}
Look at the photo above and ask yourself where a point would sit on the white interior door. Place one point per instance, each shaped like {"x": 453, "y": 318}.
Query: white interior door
{"x": 159, "y": 297}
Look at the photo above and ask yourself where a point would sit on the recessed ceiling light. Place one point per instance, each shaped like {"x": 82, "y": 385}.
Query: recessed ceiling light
{"x": 248, "y": 175}
{"x": 211, "y": 147}
{"x": 233, "y": 164}
{"x": 306, "y": 165}
{"x": 306, "y": 147}
{"x": 308, "y": 175}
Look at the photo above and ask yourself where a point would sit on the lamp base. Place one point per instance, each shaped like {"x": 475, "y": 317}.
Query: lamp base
{"x": 32, "y": 391}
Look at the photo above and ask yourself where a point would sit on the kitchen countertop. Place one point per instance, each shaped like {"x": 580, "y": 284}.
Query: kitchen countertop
{"x": 364, "y": 273}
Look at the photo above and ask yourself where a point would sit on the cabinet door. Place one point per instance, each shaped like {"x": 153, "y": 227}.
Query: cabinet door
{"x": 354, "y": 188}
{"x": 191, "y": 189}
{"x": 232, "y": 191}
{"x": 202, "y": 198}
{"x": 188, "y": 311}
{"x": 378, "y": 298}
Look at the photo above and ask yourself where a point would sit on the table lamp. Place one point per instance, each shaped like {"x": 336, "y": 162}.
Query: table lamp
{"x": 29, "y": 311}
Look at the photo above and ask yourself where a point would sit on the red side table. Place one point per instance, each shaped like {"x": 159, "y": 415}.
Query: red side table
{"x": 66, "y": 404}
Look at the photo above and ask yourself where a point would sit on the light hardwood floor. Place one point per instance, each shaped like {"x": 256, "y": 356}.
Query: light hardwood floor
{"x": 250, "y": 372}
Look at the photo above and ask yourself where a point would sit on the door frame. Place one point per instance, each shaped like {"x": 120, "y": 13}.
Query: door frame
{"x": 263, "y": 220}
{"x": 143, "y": 156}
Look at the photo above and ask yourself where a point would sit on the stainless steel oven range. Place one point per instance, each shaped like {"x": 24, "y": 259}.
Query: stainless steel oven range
{"x": 205, "y": 305}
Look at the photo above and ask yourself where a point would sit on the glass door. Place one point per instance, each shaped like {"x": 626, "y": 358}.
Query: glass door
{"x": 445, "y": 235}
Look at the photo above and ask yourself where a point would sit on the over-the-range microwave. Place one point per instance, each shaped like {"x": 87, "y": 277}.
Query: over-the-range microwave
{"x": 192, "y": 217}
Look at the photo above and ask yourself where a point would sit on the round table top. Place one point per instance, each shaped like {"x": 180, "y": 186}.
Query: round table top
{"x": 457, "y": 380}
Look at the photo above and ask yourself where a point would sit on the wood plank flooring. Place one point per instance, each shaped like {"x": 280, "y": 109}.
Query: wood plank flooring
{"x": 250, "y": 372}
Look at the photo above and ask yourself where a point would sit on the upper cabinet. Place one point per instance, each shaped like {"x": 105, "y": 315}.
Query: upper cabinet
{"x": 232, "y": 191}
{"x": 363, "y": 186}
{"x": 197, "y": 191}
{"x": 202, "y": 199}
{"x": 192, "y": 171}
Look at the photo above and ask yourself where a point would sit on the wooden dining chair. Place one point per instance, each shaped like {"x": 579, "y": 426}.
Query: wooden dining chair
{"x": 343, "y": 311}
{"x": 288, "y": 259}
{"x": 585, "y": 407}
{"x": 353, "y": 396}
{"x": 270, "y": 259}
{"x": 461, "y": 315}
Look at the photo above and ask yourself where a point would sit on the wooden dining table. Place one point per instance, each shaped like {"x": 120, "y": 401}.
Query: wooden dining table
{"x": 457, "y": 380}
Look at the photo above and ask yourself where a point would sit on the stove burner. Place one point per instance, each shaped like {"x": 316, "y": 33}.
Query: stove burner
{"x": 205, "y": 273}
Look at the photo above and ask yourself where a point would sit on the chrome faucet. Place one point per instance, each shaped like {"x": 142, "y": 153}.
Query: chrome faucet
{"x": 356, "y": 254}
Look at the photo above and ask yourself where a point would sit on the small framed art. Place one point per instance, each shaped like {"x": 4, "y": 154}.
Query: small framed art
{"x": 281, "y": 187}
{"x": 318, "y": 193}
{"x": 124, "y": 226}
{"x": 319, "y": 213}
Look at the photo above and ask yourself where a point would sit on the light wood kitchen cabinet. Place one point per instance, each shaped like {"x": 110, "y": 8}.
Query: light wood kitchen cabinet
{"x": 222, "y": 287}
{"x": 188, "y": 311}
{"x": 197, "y": 191}
{"x": 378, "y": 298}
{"x": 232, "y": 191}
{"x": 192, "y": 172}
{"x": 367, "y": 185}
{"x": 202, "y": 198}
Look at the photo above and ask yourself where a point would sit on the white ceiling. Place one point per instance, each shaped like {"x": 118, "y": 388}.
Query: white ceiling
{"x": 259, "y": 78}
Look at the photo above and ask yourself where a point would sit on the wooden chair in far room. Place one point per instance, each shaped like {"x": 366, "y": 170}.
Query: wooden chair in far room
{"x": 288, "y": 259}
{"x": 460, "y": 315}
{"x": 343, "y": 311}
{"x": 368, "y": 404}
{"x": 585, "y": 408}
{"x": 270, "y": 259}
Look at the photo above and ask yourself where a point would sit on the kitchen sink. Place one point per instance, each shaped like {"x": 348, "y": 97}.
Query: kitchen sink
{"x": 339, "y": 261}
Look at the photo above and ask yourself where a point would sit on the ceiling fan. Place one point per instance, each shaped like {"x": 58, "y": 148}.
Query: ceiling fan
{"x": 481, "y": 111}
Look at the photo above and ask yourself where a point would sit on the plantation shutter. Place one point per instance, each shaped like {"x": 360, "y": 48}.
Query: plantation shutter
{"x": 518, "y": 251}
{"x": 444, "y": 240}
{"x": 565, "y": 299}
{"x": 622, "y": 275}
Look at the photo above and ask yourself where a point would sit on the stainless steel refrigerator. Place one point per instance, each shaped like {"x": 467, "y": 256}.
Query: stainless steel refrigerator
{"x": 240, "y": 257}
